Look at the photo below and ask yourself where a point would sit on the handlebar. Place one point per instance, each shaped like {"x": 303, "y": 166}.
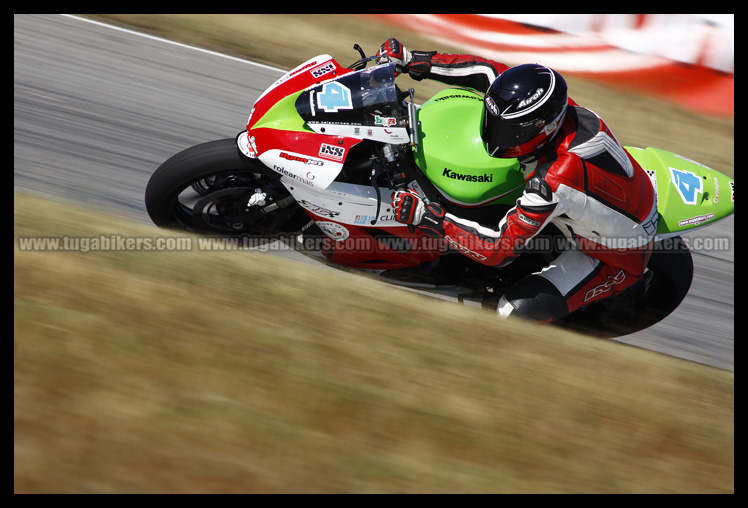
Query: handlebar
{"x": 361, "y": 63}
{"x": 412, "y": 122}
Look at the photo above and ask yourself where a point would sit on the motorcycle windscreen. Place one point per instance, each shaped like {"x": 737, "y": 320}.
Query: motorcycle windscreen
{"x": 362, "y": 104}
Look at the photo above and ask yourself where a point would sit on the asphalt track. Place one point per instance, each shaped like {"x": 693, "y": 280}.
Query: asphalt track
{"x": 97, "y": 109}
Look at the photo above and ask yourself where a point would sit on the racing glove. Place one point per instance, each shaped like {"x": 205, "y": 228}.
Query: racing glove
{"x": 416, "y": 63}
{"x": 410, "y": 209}
{"x": 393, "y": 51}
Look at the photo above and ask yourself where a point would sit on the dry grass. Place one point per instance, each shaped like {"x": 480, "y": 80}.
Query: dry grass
{"x": 239, "y": 372}
{"x": 206, "y": 371}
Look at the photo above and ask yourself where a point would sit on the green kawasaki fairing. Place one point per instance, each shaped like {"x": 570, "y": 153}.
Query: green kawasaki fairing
{"x": 689, "y": 194}
{"x": 453, "y": 157}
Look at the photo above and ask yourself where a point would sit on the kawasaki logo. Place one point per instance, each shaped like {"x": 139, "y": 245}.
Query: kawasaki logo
{"x": 468, "y": 178}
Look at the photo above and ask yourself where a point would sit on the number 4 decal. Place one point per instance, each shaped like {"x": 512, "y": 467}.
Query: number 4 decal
{"x": 333, "y": 97}
{"x": 688, "y": 185}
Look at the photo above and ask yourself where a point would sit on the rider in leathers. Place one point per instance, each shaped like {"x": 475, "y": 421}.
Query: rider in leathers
{"x": 577, "y": 176}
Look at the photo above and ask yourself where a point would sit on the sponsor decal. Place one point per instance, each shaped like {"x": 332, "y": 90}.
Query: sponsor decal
{"x": 247, "y": 145}
{"x": 301, "y": 68}
{"x": 652, "y": 174}
{"x": 333, "y": 152}
{"x": 367, "y": 219}
{"x": 491, "y": 106}
{"x": 605, "y": 287}
{"x": 333, "y": 230}
{"x": 283, "y": 171}
{"x": 303, "y": 160}
{"x": 322, "y": 70}
{"x": 691, "y": 161}
{"x": 716, "y": 190}
{"x": 696, "y": 220}
{"x": 319, "y": 210}
{"x": 384, "y": 121}
{"x": 467, "y": 178}
{"x": 461, "y": 96}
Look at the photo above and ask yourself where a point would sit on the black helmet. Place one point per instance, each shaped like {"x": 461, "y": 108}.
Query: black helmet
{"x": 524, "y": 108}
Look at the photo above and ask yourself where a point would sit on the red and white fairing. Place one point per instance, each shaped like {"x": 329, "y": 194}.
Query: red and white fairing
{"x": 362, "y": 234}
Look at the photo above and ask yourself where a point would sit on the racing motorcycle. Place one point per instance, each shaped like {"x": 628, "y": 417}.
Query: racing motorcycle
{"x": 324, "y": 148}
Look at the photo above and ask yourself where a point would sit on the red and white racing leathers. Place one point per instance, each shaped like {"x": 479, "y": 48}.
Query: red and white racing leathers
{"x": 587, "y": 185}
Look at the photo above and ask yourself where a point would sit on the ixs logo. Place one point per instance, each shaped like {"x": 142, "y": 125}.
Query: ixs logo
{"x": 464, "y": 250}
{"x": 336, "y": 153}
{"x": 303, "y": 160}
{"x": 605, "y": 287}
{"x": 323, "y": 69}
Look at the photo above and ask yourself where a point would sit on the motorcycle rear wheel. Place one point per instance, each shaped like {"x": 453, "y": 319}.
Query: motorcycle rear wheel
{"x": 656, "y": 296}
{"x": 206, "y": 188}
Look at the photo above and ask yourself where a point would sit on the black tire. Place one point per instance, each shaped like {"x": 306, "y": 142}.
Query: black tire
{"x": 671, "y": 264}
{"x": 205, "y": 188}
{"x": 657, "y": 295}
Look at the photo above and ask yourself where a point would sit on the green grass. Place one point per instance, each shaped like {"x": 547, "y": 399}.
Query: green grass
{"x": 198, "y": 371}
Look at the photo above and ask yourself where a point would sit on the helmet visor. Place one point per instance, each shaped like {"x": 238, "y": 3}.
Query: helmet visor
{"x": 506, "y": 138}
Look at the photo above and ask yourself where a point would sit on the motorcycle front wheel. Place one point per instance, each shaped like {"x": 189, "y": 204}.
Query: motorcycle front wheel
{"x": 207, "y": 189}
